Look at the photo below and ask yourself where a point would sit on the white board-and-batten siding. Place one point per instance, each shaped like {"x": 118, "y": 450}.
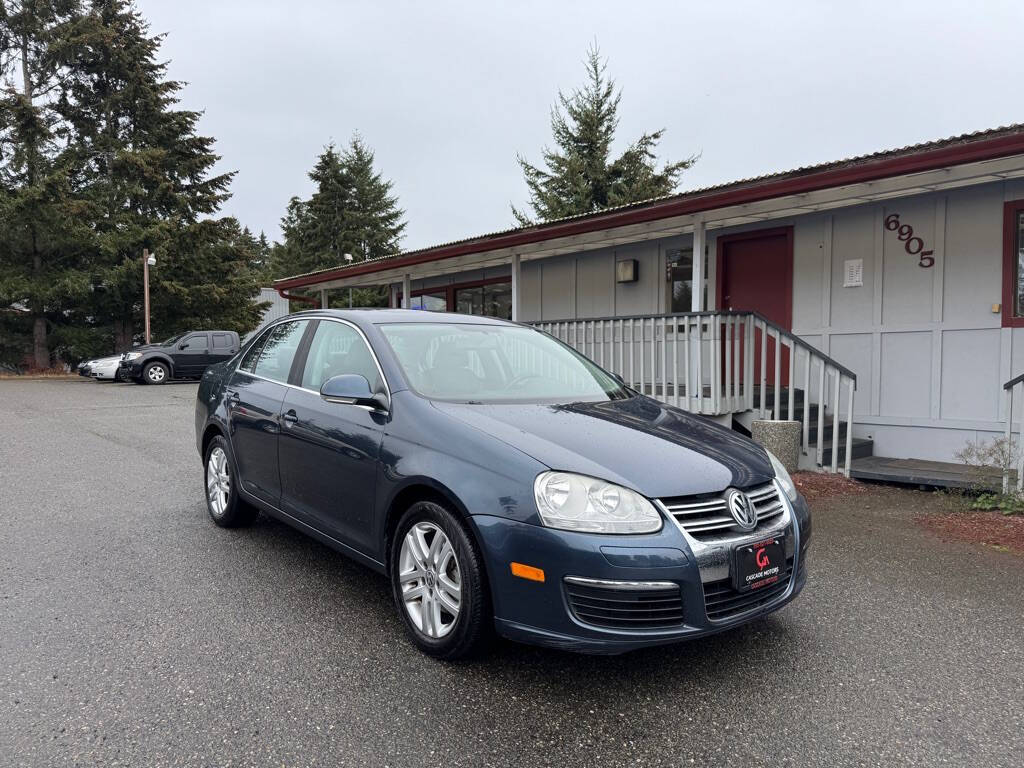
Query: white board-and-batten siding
{"x": 929, "y": 352}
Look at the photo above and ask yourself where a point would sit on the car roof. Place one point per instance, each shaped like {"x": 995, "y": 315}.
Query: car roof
{"x": 382, "y": 316}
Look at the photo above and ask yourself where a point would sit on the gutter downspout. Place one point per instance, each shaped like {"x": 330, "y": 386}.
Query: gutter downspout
{"x": 293, "y": 297}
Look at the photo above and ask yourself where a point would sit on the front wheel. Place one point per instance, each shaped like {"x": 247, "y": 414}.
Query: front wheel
{"x": 439, "y": 583}
{"x": 222, "y": 501}
{"x": 156, "y": 373}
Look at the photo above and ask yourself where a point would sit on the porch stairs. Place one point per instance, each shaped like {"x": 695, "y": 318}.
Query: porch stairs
{"x": 861, "y": 447}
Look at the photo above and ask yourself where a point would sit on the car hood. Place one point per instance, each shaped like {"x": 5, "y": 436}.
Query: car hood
{"x": 637, "y": 442}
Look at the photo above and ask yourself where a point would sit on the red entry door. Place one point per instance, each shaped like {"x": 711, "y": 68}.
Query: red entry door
{"x": 755, "y": 273}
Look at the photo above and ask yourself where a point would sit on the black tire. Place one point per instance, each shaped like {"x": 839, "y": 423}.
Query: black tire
{"x": 156, "y": 372}
{"x": 235, "y": 512}
{"x": 473, "y": 625}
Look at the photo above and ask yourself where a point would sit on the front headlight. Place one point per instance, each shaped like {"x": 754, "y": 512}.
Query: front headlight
{"x": 782, "y": 476}
{"x": 132, "y": 355}
{"x": 580, "y": 503}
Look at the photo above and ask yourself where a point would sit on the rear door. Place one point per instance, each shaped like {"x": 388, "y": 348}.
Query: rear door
{"x": 254, "y": 393}
{"x": 329, "y": 451}
{"x": 191, "y": 355}
{"x": 223, "y": 346}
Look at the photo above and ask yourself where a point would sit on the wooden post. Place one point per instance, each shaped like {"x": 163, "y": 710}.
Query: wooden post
{"x": 697, "y": 294}
{"x": 515, "y": 287}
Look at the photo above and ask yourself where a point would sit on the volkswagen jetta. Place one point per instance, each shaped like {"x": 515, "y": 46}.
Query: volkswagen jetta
{"x": 501, "y": 480}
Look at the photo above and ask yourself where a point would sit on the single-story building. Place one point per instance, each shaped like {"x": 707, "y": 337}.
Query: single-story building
{"x": 879, "y": 300}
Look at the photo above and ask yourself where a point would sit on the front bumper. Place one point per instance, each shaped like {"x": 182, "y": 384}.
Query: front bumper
{"x": 540, "y": 613}
{"x": 129, "y": 369}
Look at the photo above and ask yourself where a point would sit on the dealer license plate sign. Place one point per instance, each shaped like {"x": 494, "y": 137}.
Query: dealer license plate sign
{"x": 758, "y": 565}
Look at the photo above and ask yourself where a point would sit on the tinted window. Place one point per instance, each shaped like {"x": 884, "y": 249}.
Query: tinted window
{"x": 197, "y": 342}
{"x": 248, "y": 362}
{"x": 338, "y": 349}
{"x": 221, "y": 341}
{"x": 278, "y": 351}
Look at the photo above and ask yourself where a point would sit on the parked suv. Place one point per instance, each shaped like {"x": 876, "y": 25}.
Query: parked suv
{"x": 501, "y": 480}
{"x": 185, "y": 356}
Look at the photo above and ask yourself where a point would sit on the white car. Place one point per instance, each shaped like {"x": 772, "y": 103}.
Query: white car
{"x": 102, "y": 368}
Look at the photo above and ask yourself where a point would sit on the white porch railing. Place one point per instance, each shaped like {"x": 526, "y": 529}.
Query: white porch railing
{"x": 1012, "y": 387}
{"x": 720, "y": 363}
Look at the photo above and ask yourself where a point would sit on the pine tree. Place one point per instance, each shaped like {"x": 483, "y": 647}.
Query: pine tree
{"x": 352, "y": 211}
{"x": 147, "y": 177}
{"x": 579, "y": 175}
{"x": 39, "y": 217}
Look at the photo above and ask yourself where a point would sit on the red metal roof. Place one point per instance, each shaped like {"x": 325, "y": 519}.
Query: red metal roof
{"x": 917, "y": 158}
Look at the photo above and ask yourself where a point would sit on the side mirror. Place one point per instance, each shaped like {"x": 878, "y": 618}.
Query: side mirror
{"x": 619, "y": 379}
{"x": 353, "y": 389}
{"x": 183, "y": 345}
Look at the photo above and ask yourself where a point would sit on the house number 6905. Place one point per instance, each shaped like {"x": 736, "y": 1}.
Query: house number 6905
{"x": 911, "y": 244}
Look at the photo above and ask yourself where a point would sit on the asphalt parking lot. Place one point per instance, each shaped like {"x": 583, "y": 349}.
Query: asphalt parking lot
{"x": 134, "y": 632}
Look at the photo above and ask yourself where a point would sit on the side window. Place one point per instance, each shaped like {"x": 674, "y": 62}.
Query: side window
{"x": 248, "y": 361}
{"x": 276, "y": 355}
{"x": 337, "y": 349}
{"x": 197, "y": 342}
{"x": 221, "y": 341}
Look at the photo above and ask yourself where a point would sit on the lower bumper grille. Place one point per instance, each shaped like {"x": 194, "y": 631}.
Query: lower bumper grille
{"x": 625, "y": 605}
{"x": 722, "y": 601}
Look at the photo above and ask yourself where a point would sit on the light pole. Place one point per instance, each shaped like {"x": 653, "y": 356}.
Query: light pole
{"x": 148, "y": 260}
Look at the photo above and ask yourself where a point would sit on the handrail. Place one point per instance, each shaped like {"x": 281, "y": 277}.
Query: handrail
{"x": 1013, "y": 382}
{"x": 796, "y": 340}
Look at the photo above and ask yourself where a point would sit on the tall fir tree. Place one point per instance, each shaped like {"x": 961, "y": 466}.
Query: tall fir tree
{"x": 147, "y": 176}
{"x": 352, "y": 211}
{"x": 41, "y": 222}
{"x": 580, "y": 175}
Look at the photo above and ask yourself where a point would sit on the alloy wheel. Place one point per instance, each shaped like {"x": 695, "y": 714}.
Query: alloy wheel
{"x": 430, "y": 580}
{"x": 156, "y": 374}
{"x": 218, "y": 481}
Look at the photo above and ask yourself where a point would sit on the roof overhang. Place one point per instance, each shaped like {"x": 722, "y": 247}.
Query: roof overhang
{"x": 947, "y": 167}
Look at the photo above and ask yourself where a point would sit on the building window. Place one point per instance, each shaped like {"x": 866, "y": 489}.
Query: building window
{"x": 679, "y": 266}
{"x": 435, "y": 301}
{"x": 492, "y": 298}
{"x": 1013, "y": 264}
{"x": 1018, "y": 257}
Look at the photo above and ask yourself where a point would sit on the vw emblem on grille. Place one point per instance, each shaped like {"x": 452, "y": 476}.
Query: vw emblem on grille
{"x": 741, "y": 509}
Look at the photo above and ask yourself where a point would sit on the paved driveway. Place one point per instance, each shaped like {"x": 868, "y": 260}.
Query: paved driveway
{"x": 134, "y": 632}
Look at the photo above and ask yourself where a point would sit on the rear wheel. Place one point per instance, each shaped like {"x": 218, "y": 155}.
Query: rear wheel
{"x": 222, "y": 501}
{"x": 439, "y": 583}
{"x": 156, "y": 373}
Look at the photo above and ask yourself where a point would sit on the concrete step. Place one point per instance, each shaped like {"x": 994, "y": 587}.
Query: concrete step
{"x": 862, "y": 448}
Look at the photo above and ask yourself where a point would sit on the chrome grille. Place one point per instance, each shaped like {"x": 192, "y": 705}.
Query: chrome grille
{"x": 704, "y": 515}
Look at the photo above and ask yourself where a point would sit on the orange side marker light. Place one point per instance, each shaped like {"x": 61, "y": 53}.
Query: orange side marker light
{"x": 527, "y": 572}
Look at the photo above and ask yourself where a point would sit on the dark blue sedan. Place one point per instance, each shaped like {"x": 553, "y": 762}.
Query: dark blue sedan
{"x": 501, "y": 480}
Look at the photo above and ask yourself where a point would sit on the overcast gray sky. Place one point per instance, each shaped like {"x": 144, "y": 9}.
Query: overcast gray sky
{"x": 447, "y": 93}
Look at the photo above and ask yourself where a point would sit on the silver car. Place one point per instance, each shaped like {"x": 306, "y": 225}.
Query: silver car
{"x": 102, "y": 368}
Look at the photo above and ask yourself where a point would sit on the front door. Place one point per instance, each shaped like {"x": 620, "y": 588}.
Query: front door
{"x": 192, "y": 355}
{"x": 254, "y": 393}
{"x": 755, "y": 273}
{"x": 329, "y": 451}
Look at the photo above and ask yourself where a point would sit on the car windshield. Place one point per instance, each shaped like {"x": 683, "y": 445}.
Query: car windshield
{"x": 172, "y": 340}
{"x": 480, "y": 363}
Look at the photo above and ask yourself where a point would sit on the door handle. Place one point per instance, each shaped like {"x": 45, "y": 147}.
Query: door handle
{"x": 291, "y": 417}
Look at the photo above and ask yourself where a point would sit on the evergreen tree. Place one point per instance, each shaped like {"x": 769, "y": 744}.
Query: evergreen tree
{"x": 579, "y": 175}
{"x": 147, "y": 178}
{"x": 352, "y": 211}
{"x": 39, "y": 217}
